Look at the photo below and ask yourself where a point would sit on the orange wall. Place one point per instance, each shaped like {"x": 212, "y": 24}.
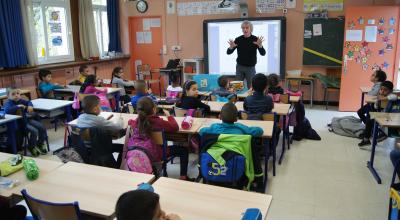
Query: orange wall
{"x": 187, "y": 31}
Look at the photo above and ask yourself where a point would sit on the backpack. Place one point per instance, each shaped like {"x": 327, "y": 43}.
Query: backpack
{"x": 349, "y": 126}
{"x": 276, "y": 98}
{"x": 69, "y": 154}
{"x": 231, "y": 172}
{"x": 137, "y": 160}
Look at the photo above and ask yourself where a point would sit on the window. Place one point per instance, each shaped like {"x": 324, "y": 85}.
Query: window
{"x": 101, "y": 24}
{"x": 52, "y": 30}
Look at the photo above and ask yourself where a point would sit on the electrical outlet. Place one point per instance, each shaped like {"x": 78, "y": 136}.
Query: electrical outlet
{"x": 284, "y": 11}
{"x": 175, "y": 48}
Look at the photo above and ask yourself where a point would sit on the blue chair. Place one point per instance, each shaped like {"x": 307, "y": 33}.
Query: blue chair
{"x": 48, "y": 210}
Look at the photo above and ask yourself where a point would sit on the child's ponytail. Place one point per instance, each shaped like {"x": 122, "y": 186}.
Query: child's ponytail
{"x": 145, "y": 108}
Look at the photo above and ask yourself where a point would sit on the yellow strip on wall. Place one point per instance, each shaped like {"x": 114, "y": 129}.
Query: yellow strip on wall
{"x": 322, "y": 55}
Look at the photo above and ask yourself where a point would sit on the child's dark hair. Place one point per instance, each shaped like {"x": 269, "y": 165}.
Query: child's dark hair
{"x": 82, "y": 68}
{"x": 116, "y": 70}
{"x": 380, "y": 75}
{"x": 187, "y": 86}
{"x": 229, "y": 113}
{"x": 388, "y": 85}
{"x": 174, "y": 78}
{"x": 223, "y": 81}
{"x": 43, "y": 73}
{"x": 259, "y": 82}
{"x": 273, "y": 80}
{"x": 137, "y": 204}
{"x": 144, "y": 109}
{"x": 140, "y": 86}
{"x": 90, "y": 80}
{"x": 89, "y": 102}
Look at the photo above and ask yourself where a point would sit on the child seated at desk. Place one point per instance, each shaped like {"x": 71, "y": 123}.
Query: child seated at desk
{"x": 141, "y": 204}
{"x": 37, "y": 132}
{"x": 89, "y": 87}
{"x": 45, "y": 87}
{"x": 190, "y": 98}
{"x": 117, "y": 79}
{"x": 141, "y": 91}
{"x": 229, "y": 125}
{"x": 377, "y": 78}
{"x": 273, "y": 84}
{"x": 147, "y": 122}
{"x": 385, "y": 93}
{"x": 174, "y": 91}
{"x": 83, "y": 73}
{"x": 223, "y": 93}
{"x": 258, "y": 102}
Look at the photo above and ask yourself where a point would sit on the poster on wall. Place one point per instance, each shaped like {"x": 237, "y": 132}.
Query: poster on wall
{"x": 204, "y": 8}
{"x": 330, "y": 5}
{"x": 171, "y": 7}
{"x": 269, "y": 6}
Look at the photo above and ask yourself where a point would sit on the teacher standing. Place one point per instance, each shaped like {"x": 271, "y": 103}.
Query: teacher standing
{"x": 247, "y": 46}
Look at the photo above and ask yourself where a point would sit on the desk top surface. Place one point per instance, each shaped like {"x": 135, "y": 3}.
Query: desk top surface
{"x": 196, "y": 201}
{"x": 49, "y": 104}
{"x": 45, "y": 167}
{"x": 96, "y": 188}
{"x": 386, "y": 119}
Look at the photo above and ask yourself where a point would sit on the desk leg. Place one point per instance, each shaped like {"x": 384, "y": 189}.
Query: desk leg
{"x": 11, "y": 139}
{"x": 312, "y": 92}
{"x": 68, "y": 111}
{"x": 283, "y": 139}
{"x": 370, "y": 163}
{"x": 268, "y": 143}
{"x": 117, "y": 97}
{"x": 362, "y": 99}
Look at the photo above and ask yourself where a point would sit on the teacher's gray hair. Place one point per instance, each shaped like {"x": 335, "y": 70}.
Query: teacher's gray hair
{"x": 247, "y": 22}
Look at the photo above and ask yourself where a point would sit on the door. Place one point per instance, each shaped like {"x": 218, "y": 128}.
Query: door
{"x": 370, "y": 42}
{"x": 145, "y": 36}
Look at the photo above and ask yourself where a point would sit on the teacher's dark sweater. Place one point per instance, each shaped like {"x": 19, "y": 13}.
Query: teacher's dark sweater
{"x": 247, "y": 50}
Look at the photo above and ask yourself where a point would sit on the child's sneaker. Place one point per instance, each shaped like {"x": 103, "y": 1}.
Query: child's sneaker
{"x": 34, "y": 151}
{"x": 42, "y": 149}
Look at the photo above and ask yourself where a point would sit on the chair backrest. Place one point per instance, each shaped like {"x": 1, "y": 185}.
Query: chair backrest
{"x": 284, "y": 98}
{"x": 244, "y": 115}
{"x": 84, "y": 133}
{"x": 48, "y": 210}
{"x": 268, "y": 117}
{"x": 158, "y": 137}
{"x": 38, "y": 92}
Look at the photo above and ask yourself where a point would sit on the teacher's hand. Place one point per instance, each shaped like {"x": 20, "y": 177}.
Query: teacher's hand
{"x": 259, "y": 41}
{"x": 232, "y": 44}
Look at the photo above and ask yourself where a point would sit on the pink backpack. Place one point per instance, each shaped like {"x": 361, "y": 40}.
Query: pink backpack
{"x": 138, "y": 161}
{"x": 275, "y": 98}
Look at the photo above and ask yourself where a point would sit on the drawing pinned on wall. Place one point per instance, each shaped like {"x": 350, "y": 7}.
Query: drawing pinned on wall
{"x": 392, "y": 21}
{"x": 365, "y": 66}
{"x": 347, "y": 45}
{"x": 203, "y": 8}
{"x": 329, "y": 5}
{"x": 356, "y": 48}
{"x": 391, "y": 31}
{"x": 385, "y": 39}
{"x": 364, "y": 44}
{"x": 56, "y": 41}
{"x": 350, "y": 54}
{"x": 389, "y": 47}
{"x": 381, "y": 21}
{"x": 354, "y": 35}
{"x": 381, "y": 31}
{"x": 55, "y": 16}
{"x": 360, "y": 20}
{"x": 358, "y": 59}
{"x": 351, "y": 25}
{"x": 55, "y": 27}
{"x": 371, "y": 21}
{"x": 381, "y": 52}
{"x": 370, "y": 33}
{"x": 269, "y": 6}
{"x": 364, "y": 60}
{"x": 385, "y": 65}
{"x": 375, "y": 67}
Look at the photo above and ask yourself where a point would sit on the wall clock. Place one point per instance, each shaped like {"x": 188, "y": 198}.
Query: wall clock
{"x": 142, "y": 6}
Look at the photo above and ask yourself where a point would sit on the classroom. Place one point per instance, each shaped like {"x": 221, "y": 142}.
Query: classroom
{"x": 200, "y": 109}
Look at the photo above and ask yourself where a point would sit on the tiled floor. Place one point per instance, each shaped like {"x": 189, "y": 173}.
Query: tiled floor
{"x": 322, "y": 180}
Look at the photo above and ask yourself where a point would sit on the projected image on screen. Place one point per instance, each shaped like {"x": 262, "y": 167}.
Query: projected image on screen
{"x": 220, "y": 32}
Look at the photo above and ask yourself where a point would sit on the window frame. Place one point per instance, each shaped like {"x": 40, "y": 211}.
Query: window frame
{"x": 61, "y": 58}
{"x": 99, "y": 26}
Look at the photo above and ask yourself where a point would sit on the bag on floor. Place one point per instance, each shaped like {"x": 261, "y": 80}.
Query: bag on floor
{"x": 69, "y": 154}
{"x": 231, "y": 172}
{"x": 304, "y": 130}
{"x": 348, "y": 126}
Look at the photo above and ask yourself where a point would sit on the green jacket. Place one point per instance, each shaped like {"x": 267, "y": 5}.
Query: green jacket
{"x": 240, "y": 144}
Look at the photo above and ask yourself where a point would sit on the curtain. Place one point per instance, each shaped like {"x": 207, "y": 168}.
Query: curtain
{"x": 87, "y": 31}
{"x": 29, "y": 33}
{"x": 12, "y": 47}
{"x": 113, "y": 25}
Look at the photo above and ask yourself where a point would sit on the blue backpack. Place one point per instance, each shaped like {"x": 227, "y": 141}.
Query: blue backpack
{"x": 231, "y": 172}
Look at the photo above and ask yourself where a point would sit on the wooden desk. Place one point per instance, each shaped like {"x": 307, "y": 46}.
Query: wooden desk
{"x": 74, "y": 89}
{"x": 96, "y": 188}
{"x": 10, "y": 122}
{"x": 196, "y": 201}
{"x": 53, "y": 107}
{"x": 45, "y": 167}
{"x": 389, "y": 120}
{"x": 303, "y": 78}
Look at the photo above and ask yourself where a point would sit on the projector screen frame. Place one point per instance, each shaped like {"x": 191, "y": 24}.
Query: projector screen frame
{"x": 282, "y": 35}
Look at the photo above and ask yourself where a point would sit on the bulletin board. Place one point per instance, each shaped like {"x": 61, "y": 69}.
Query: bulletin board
{"x": 323, "y": 42}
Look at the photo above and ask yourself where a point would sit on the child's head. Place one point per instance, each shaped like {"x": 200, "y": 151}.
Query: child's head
{"x": 84, "y": 70}
{"x": 91, "y": 105}
{"x": 139, "y": 204}
{"x": 45, "y": 75}
{"x": 140, "y": 86}
{"x": 14, "y": 94}
{"x": 386, "y": 88}
{"x": 259, "y": 82}
{"x": 273, "y": 80}
{"x": 229, "y": 113}
{"x": 378, "y": 76}
{"x": 223, "y": 81}
{"x": 190, "y": 89}
{"x": 118, "y": 72}
{"x": 90, "y": 80}
{"x": 145, "y": 107}
{"x": 174, "y": 79}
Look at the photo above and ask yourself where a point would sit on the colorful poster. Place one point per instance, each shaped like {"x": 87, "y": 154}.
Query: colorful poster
{"x": 330, "y": 5}
{"x": 269, "y": 6}
{"x": 55, "y": 27}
